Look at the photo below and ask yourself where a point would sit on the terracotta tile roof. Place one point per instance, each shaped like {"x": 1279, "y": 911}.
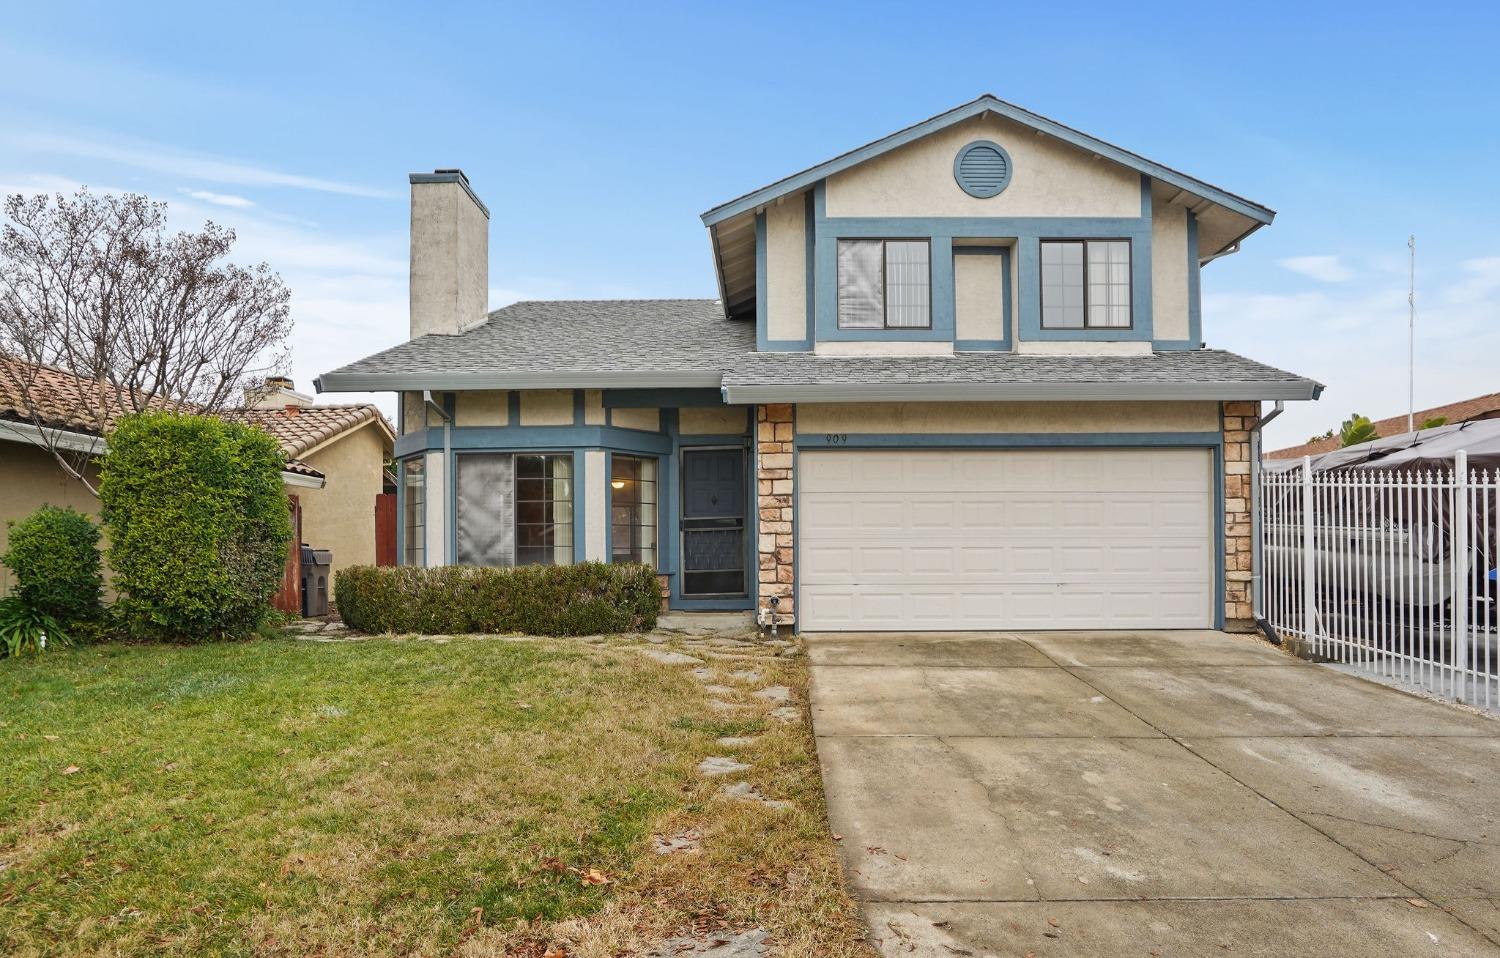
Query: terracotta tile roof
{"x": 1480, "y": 407}
{"x": 63, "y": 400}
{"x": 300, "y": 428}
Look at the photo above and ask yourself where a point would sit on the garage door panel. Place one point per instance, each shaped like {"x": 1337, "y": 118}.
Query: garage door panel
{"x": 931, "y": 539}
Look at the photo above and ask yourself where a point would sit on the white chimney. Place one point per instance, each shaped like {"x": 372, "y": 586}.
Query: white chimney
{"x": 450, "y": 254}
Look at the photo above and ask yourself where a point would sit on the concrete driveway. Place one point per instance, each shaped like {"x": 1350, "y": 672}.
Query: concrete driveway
{"x": 1151, "y": 793}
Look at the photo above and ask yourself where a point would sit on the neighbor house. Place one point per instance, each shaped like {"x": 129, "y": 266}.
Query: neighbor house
{"x": 335, "y": 454}
{"x": 954, "y": 379}
{"x": 1468, "y": 410}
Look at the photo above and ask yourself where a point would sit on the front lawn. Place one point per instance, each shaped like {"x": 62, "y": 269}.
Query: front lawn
{"x": 406, "y": 797}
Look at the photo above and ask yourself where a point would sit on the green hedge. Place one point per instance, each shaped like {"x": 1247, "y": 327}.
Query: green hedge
{"x": 585, "y": 599}
{"x": 198, "y": 526}
{"x": 55, "y": 556}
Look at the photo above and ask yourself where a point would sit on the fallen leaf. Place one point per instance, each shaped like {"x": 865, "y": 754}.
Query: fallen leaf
{"x": 555, "y": 951}
{"x": 1052, "y": 922}
{"x": 1417, "y": 903}
{"x": 594, "y": 877}
{"x": 553, "y": 865}
{"x": 837, "y": 837}
{"x": 71, "y": 770}
{"x": 50, "y": 738}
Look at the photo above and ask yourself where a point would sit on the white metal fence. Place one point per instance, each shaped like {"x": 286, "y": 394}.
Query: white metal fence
{"x": 1389, "y": 572}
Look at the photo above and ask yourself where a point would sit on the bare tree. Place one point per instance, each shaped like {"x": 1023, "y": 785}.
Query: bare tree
{"x": 103, "y": 313}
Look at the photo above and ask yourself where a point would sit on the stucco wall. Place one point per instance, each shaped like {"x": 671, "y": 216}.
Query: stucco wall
{"x": 29, "y": 479}
{"x": 449, "y": 259}
{"x": 547, "y": 407}
{"x": 1016, "y": 417}
{"x": 341, "y": 515}
{"x": 1169, "y": 271}
{"x": 594, "y": 512}
{"x": 647, "y": 419}
{"x": 481, "y": 407}
{"x": 593, "y": 407}
{"x": 712, "y": 421}
{"x": 979, "y": 296}
{"x": 1049, "y": 178}
{"x": 786, "y": 269}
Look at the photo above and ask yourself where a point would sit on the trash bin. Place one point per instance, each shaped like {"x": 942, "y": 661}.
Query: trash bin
{"x": 315, "y": 566}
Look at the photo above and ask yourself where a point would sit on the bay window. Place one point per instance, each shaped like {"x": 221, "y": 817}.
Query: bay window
{"x": 632, "y": 509}
{"x": 414, "y": 509}
{"x": 514, "y": 509}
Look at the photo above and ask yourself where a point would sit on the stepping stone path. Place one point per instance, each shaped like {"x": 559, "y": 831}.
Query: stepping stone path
{"x": 718, "y": 690}
{"x": 666, "y": 657}
{"x": 723, "y": 944}
{"x": 787, "y": 713}
{"x": 736, "y": 741}
{"x": 745, "y": 675}
{"x": 720, "y": 765}
{"x": 745, "y": 792}
{"x": 703, "y": 674}
{"x": 779, "y": 694}
{"x": 723, "y": 707}
{"x": 673, "y": 844}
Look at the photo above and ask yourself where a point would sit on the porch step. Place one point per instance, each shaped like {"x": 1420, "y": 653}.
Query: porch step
{"x": 702, "y": 623}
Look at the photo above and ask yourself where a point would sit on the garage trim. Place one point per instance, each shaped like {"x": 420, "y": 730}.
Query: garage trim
{"x": 1213, "y": 441}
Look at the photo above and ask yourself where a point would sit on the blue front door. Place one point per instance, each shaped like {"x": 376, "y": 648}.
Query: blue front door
{"x": 713, "y": 522}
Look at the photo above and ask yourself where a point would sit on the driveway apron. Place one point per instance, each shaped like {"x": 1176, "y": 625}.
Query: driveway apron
{"x": 1151, "y": 793}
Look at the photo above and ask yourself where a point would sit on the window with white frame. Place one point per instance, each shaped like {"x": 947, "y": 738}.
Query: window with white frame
{"x": 632, "y": 509}
{"x": 885, "y": 284}
{"x": 414, "y": 507}
{"x": 1086, "y": 284}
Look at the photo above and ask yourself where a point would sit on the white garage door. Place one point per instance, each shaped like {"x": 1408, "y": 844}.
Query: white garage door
{"x": 1012, "y": 539}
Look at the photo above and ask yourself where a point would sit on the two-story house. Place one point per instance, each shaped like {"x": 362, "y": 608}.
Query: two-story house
{"x": 955, "y": 379}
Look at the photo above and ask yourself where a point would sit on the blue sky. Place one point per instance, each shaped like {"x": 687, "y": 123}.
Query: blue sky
{"x": 597, "y": 132}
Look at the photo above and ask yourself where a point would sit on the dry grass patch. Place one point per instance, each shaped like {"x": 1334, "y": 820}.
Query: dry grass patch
{"x": 398, "y": 797}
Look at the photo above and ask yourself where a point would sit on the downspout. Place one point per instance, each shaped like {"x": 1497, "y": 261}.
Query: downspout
{"x": 448, "y": 480}
{"x": 1257, "y": 602}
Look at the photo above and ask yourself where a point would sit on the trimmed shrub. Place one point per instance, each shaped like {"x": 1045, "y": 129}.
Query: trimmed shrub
{"x": 198, "y": 525}
{"x": 55, "y": 556}
{"x": 584, "y": 599}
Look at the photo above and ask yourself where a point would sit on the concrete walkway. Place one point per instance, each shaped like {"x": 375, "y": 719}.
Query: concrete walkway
{"x": 1151, "y": 794}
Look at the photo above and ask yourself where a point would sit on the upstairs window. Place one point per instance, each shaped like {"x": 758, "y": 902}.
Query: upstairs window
{"x": 885, "y": 284}
{"x": 1086, "y": 284}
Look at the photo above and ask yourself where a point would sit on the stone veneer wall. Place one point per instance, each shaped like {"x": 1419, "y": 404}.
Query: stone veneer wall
{"x": 1239, "y": 418}
{"x": 773, "y": 486}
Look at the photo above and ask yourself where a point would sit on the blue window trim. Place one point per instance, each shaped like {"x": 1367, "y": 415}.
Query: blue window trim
{"x": 958, "y": 162}
{"x": 664, "y": 445}
{"x": 1027, "y": 232}
{"x": 763, "y": 342}
{"x": 659, "y": 398}
{"x": 1002, "y": 344}
{"x": 1212, "y": 441}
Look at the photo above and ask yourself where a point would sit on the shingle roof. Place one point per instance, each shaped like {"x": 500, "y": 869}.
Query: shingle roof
{"x": 674, "y": 339}
{"x": 300, "y": 428}
{"x": 1198, "y": 373}
{"x": 687, "y": 343}
{"x": 1468, "y": 410}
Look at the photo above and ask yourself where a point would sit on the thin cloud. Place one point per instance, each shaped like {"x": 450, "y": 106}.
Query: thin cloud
{"x": 163, "y": 159}
{"x": 1324, "y": 269}
{"x": 219, "y": 199}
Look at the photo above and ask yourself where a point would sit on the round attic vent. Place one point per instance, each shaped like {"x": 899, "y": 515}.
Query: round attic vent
{"x": 982, "y": 169}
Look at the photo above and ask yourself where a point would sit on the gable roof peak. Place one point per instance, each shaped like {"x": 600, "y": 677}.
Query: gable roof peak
{"x": 988, "y": 103}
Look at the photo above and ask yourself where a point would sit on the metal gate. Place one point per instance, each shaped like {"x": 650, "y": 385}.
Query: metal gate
{"x": 1390, "y": 573}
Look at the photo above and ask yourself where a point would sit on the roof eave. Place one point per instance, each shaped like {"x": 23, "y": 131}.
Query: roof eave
{"x": 988, "y": 104}
{"x": 336, "y": 382}
{"x": 744, "y": 394}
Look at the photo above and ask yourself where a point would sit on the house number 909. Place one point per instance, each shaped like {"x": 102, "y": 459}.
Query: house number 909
{"x": 835, "y": 438}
